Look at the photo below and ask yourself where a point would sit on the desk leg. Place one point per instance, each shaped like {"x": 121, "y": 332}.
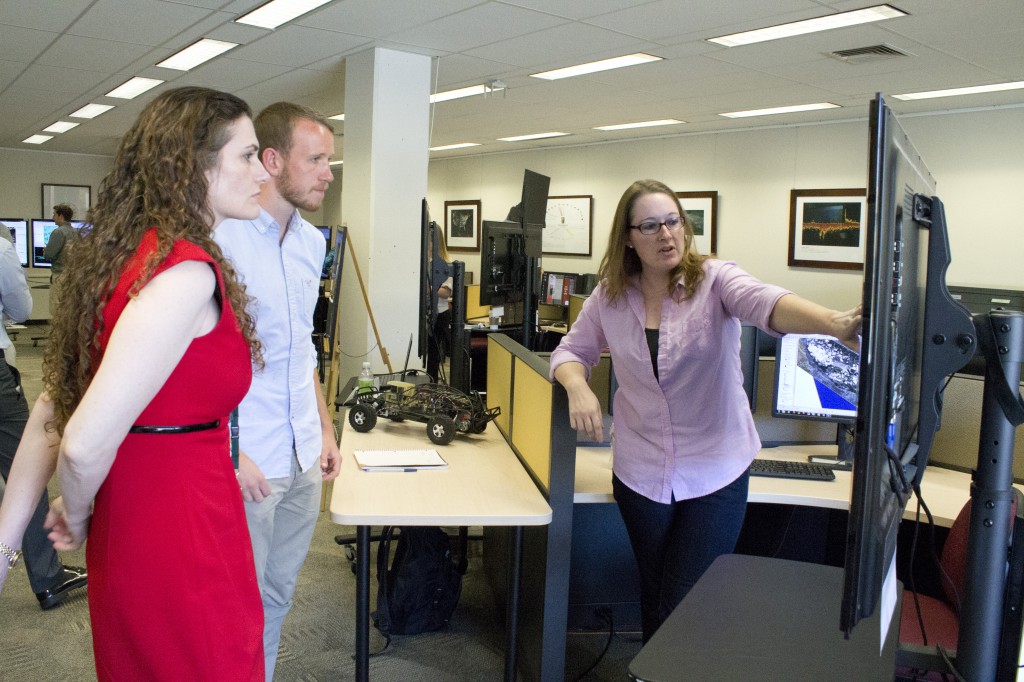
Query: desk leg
{"x": 363, "y": 603}
{"x": 512, "y": 612}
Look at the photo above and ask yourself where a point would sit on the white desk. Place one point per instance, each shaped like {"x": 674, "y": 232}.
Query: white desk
{"x": 484, "y": 485}
{"x": 945, "y": 491}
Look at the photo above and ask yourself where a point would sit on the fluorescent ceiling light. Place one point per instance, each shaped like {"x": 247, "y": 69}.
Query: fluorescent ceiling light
{"x": 37, "y": 139}
{"x": 196, "y": 53}
{"x": 522, "y": 138}
{"x": 133, "y": 88}
{"x": 796, "y": 28}
{"x": 602, "y": 65}
{"x": 460, "y": 145}
{"x": 641, "y": 124}
{"x": 337, "y": 117}
{"x": 463, "y": 92}
{"x": 92, "y": 110}
{"x": 277, "y": 12}
{"x": 60, "y": 127}
{"x": 952, "y": 92}
{"x": 335, "y": 163}
{"x": 781, "y": 110}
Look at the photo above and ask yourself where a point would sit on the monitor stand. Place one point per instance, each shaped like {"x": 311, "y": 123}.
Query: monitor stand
{"x": 843, "y": 461}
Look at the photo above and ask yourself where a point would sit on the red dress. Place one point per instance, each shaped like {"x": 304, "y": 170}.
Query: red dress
{"x": 172, "y": 582}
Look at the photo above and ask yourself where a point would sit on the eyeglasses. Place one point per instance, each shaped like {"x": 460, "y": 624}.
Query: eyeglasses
{"x": 653, "y": 226}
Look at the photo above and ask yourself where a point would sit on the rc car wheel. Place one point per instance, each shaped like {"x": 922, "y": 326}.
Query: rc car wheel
{"x": 441, "y": 429}
{"x": 362, "y": 417}
{"x": 478, "y": 425}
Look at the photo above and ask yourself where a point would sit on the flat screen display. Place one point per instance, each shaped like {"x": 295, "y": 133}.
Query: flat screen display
{"x": 558, "y": 286}
{"x": 19, "y": 231}
{"x": 41, "y": 231}
{"x": 816, "y": 377}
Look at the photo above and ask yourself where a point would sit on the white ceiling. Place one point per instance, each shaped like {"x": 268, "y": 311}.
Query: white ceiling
{"x": 58, "y": 55}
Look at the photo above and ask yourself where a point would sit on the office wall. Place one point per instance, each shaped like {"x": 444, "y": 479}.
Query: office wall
{"x": 22, "y": 174}
{"x": 976, "y": 157}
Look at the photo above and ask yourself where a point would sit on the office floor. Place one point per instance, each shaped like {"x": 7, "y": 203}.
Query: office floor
{"x": 318, "y": 636}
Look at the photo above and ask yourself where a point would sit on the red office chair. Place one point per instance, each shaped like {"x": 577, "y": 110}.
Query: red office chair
{"x": 941, "y": 620}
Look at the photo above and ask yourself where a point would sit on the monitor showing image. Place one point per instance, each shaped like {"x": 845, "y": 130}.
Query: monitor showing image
{"x": 816, "y": 377}
{"x": 41, "y": 231}
{"x": 558, "y": 286}
{"x": 19, "y": 233}
{"x": 325, "y": 230}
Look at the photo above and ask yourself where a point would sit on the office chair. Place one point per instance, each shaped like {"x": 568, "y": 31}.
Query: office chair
{"x": 940, "y": 616}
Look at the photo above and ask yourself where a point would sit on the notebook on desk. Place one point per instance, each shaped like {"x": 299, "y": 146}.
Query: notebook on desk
{"x": 399, "y": 460}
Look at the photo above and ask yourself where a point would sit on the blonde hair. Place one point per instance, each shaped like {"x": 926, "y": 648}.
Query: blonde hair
{"x": 620, "y": 264}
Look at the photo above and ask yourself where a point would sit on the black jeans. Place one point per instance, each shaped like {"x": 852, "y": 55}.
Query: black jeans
{"x": 675, "y": 543}
{"x": 41, "y": 562}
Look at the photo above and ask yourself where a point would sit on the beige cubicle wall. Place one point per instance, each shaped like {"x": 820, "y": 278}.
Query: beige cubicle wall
{"x": 535, "y": 421}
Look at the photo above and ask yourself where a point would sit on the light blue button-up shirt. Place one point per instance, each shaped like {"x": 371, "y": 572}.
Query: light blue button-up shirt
{"x": 279, "y": 412}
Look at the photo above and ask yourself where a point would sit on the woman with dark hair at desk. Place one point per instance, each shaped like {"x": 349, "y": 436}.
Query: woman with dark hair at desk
{"x": 683, "y": 434}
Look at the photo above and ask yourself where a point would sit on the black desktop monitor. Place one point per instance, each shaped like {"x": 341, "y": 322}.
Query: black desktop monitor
{"x": 41, "y": 230}
{"x": 19, "y": 232}
{"x": 557, "y": 287}
{"x": 749, "y": 361}
{"x": 325, "y": 230}
{"x": 504, "y": 265}
{"x": 816, "y": 378}
{"x": 914, "y": 333}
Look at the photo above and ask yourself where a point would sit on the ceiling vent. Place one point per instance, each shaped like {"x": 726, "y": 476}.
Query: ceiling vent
{"x": 872, "y": 53}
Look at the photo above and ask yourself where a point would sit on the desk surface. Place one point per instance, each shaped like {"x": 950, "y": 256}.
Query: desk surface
{"x": 757, "y": 618}
{"x": 484, "y": 484}
{"x": 945, "y": 491}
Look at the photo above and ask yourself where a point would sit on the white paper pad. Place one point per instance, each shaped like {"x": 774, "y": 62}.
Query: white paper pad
{"x": 399, "y": 460}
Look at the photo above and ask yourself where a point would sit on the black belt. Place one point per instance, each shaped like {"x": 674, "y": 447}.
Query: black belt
{"x": 187, "y": 428}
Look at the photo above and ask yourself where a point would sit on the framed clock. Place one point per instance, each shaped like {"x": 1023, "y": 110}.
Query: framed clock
{"x": 568, "y": 226}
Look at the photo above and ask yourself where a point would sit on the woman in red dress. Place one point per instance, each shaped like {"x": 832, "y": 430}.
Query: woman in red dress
{"x": 149, "y": 352}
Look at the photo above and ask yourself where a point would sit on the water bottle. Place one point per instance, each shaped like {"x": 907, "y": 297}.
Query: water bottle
{"x": 365, "y": 384}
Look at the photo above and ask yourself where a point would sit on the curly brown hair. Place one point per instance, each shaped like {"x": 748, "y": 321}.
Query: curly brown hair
{"x": 619, "y": 264}
{"x": 158, "y": 181}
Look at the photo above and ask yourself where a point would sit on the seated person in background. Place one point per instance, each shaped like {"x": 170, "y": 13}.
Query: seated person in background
{"x": 683, "y": 435}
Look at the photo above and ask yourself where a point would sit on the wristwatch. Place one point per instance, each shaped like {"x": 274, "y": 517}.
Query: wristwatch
{"x": 13, "y": 556}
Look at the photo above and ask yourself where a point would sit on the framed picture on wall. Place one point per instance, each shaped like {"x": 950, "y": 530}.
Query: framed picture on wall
{"x": 826, "y": 228}
{"x": 568, "y": 226}
{"x": 462, "y": 225}
{"x": 702, "y": 207}
{"x": 77, "y": 197}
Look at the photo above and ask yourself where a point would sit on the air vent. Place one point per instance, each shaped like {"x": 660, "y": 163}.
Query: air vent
{"x": 872, "y": 53}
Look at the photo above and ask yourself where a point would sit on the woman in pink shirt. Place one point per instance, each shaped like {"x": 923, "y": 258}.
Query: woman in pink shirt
{"x": 683, "y": 436}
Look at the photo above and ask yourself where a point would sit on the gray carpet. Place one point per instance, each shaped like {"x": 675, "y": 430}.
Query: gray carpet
{"x": 318, "y": 637}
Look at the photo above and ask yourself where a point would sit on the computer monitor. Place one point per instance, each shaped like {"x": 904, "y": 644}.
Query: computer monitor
{"x": 914, "y": 334}
{"x": 19, "y": 232}
{"x": 41, "y": 230}
{"x": 325, "y": 230}
{"x": 816, "y": 378}
{"x": 504, "y": 265}
{"x": 749, "y": 361}
{"x": 557, "y": 287}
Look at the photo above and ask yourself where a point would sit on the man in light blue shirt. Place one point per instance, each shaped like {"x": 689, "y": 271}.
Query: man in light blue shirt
{"x": 286, "y": 437}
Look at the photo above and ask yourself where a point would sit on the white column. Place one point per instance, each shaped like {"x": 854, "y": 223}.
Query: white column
{"x": 385, "y": 179}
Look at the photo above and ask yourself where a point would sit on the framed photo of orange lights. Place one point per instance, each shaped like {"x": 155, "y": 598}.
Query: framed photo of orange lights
{"x": 827, "y": 228}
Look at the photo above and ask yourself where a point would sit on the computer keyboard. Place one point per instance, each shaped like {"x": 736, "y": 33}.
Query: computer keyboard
{"x": 778, "y": 468}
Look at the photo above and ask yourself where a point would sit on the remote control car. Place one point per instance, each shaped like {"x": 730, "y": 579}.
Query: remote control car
{"x": 445, "y": 410}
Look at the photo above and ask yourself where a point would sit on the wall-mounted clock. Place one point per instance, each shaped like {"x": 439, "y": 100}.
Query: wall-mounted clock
{"x": 568, "y": 225}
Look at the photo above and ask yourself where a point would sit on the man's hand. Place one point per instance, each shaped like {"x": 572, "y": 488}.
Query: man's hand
{"x": 330, "y": 458}
{"x": 253, "y": 483}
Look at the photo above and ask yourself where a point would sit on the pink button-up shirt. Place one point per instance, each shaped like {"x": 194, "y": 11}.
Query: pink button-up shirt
{"x": 691, "y": 433}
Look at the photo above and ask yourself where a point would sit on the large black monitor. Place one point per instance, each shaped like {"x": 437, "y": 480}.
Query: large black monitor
{"x": 914, "y": 334}
{"x": 504, "y": 265}
{"x": 19, "y": 233}
{"x": 749, "y": 361}
{"x": 41, "y": 231}
{"x": 816, "y": 378}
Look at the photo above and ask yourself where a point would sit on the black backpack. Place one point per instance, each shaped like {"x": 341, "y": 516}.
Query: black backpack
{"x": 421, "y": 589}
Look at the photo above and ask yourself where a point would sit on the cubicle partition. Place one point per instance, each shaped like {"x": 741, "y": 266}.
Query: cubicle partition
{"x": 534, "y": 420}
